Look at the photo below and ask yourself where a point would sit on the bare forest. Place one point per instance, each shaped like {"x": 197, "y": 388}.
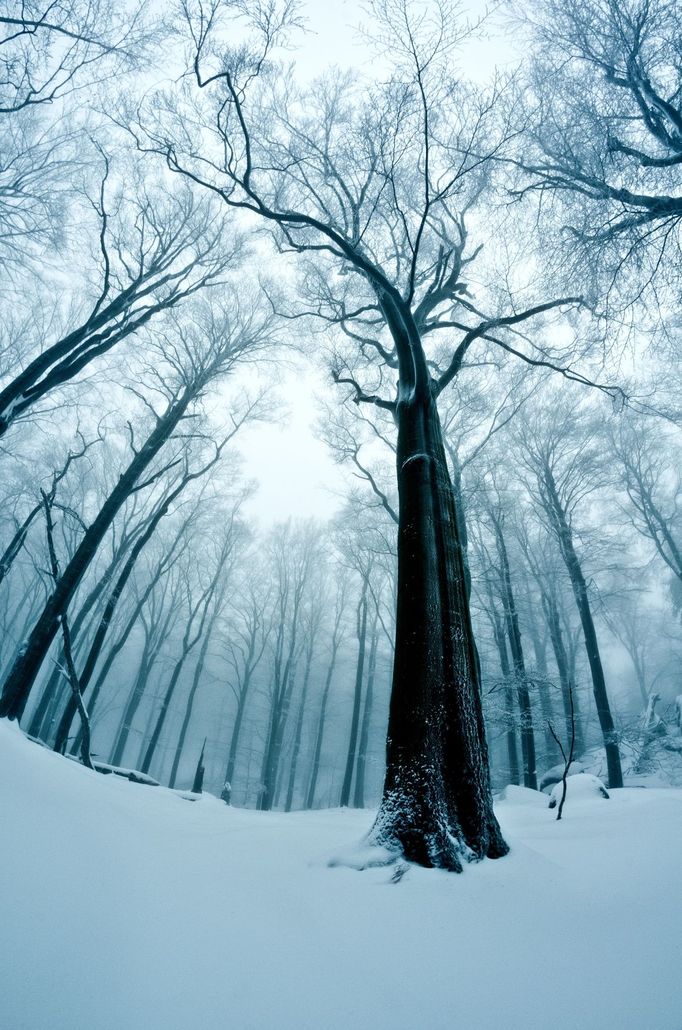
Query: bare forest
{"x": 447, "y": 245}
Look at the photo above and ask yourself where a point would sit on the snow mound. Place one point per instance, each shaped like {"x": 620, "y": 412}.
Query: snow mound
{"x": 578, "y": 788}
{"x": 512, "y": 794}
{"x": 555, "y": 774}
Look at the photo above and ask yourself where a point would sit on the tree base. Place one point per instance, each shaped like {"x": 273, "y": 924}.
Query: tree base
{"x": 428, "y": 838}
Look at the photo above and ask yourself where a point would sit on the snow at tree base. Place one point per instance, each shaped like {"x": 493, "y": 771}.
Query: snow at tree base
{"x": 127, "y": 907}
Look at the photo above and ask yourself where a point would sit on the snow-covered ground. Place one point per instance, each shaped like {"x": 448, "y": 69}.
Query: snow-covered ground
{"x": 126, "y": 907}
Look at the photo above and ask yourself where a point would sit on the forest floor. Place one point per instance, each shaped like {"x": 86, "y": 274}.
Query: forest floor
{"x": 126, "y": 907}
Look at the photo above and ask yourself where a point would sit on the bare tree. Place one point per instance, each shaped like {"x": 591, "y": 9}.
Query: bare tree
{"x": 562, "y": 455}
{"x": 248, "y": 635}
{"x": 366, "y": 185}
{"x": 156, "y": 250}
{"x": 603, "y": 135}
{"x": 646, "y": 455}
{"x": 192, "y": 365}
{"x": 49, "y": 49}
{"x": 214, "y": 607}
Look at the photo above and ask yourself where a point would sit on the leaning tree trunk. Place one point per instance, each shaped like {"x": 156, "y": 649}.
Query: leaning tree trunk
{"x": 133, "y": 701}
{"x": 436, "y": 806}
{"x": 23, "y": 673}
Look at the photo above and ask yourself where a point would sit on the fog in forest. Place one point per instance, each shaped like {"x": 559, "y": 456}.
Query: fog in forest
{"x": 340, "y": 422}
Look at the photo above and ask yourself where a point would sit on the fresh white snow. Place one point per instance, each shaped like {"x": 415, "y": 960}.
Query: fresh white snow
{"x": 125, "y": 907}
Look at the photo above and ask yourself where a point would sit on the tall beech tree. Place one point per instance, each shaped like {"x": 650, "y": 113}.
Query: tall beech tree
{"x": 376, "y": 185}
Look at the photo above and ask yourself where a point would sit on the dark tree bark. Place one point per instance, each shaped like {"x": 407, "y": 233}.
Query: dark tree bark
{"x": 114, "y": 597}
{"x": 361, "y": 765}
{"x": 437, "y": 805}
{"x": 357, "y": 695}
{"x": 66, "y": 634}
{"x": 42, "y": 720}
{"x": 557, "y": 514}
{"x": 22, "y": 676}
{"x": 198, "y": 782}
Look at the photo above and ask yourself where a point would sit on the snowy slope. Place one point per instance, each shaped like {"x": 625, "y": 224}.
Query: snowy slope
{"x": 125, "y": 907}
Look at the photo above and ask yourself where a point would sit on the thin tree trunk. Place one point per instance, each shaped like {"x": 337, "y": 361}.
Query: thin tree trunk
{"x": 359, "y": 795}
{"x": 565, "y": 538}
{"x": 510, "y": 704}
{"x": 516, "y": 646}
{"x": 299, "y": 730}
{"x": 315, "y": 768}
{"x": 569, "y": 695}
{"x": 196, "y": 680}
{"x": 357, "y": 697}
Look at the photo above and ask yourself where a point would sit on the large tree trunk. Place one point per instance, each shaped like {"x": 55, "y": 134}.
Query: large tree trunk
{"x": 437, "y": 803}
